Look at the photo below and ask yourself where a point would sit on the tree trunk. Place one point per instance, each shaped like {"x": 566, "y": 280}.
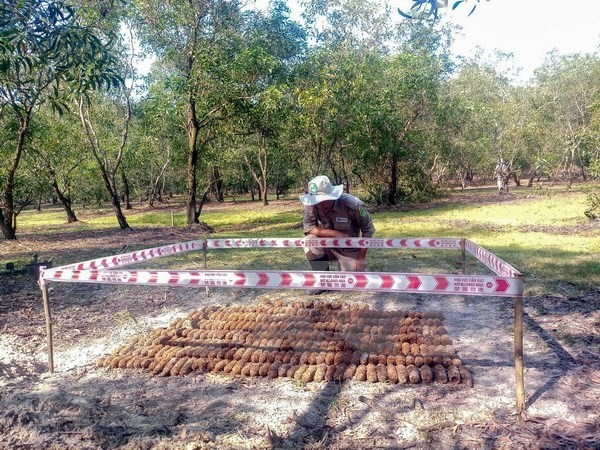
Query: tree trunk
{"x": 64, "y": 200}
{"x": 393, "y": 184}
{"x": 126, "y": 196}
{"x": 202, "y": 202}
{"x": 119, "y": 212}
{"x": 158, "y": 185}
{"x": 218, "y": 184}
{"x": 162, "y": 193}
{"x": 71, "y": 218}
{"x": 264, "y": 184}
{"x": 152, "y": 197}
{"x": 260, "y": 178}
{"x": 8, "y": 214}
{"x": 6, "y": 225}
{"x": 108, "y": 175}
{"x": 114, "y": 199}
{"x": 192, "y": 183}
{"x": 516, "y": 178}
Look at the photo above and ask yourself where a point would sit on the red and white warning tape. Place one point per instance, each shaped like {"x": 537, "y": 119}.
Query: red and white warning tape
{"x": 102, "y": 270}
{"x": 431, "y": 243}
{"x": 499, "y": 266}
{"x": 125, "y": 259}
{"x": 367, "y": 281}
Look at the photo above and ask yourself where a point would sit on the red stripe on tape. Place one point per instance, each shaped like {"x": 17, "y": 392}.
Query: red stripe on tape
{"x": 361, "y": 281}
{"x": 309, "y": 280}
{"x": 286, "y": 279}
{"x": 413, "y": 282}
{"x": 263, "y": 279}
{"x": 173, "y": 277}
{"x": 441, "y": 283}
{"x": 388, "y": 282}
{"x": 501, "y": 285}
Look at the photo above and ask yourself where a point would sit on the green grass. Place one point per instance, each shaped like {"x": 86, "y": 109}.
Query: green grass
{"x": 542, "y": 233}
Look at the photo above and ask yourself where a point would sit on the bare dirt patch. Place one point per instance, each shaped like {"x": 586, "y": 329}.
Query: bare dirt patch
{"x": 82, "y": 406}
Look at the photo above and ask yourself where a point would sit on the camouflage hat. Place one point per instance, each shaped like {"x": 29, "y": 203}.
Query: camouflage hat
{"x": 321, "y": 189}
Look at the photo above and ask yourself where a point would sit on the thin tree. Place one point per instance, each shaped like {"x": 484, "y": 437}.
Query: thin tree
{"x": 46, "y": 54}
{"x": 110, "y": 167}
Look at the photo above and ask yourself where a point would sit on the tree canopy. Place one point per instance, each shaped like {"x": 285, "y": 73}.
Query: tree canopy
{"x": 252, "y": 102}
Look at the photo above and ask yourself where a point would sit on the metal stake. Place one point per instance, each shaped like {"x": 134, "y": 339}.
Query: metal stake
{"x": 48, "y": 327}
{"x": 205, "y": 262}
{"x": 463, "y": 261}
{"x": 519, "y": 355}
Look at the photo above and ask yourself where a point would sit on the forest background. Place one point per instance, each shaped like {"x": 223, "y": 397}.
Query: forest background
{"x": 249, "y": 102}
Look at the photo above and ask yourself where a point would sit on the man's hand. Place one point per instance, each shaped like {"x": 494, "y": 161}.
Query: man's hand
{"x": 360, "y": 265}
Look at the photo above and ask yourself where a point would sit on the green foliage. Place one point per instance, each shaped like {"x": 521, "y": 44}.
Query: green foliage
{"x": 416, "y": 186}
{"x": 430, "y": 9}
{"x": 594, "y": 168}
{"x": 593, "y": 206}
{"x": 592, "y": 210}
{"x": 375, "y": 104}
{"x": 44, "y": 48}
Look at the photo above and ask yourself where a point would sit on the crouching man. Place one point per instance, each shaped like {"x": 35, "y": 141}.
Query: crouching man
{"x": 330, "y": 213}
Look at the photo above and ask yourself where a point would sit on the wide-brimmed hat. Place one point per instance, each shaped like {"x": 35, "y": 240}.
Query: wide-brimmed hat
{"x": 321, "y": 189}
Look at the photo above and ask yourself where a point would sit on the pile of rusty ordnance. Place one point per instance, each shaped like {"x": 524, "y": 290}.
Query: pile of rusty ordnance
{"x": 305, "y": 340}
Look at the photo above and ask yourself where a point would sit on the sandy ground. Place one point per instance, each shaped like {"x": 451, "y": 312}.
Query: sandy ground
{"x": 81, "y": 406}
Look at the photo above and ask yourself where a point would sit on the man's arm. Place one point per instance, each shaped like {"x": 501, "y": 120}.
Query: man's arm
{"x": 326, "y": 232}
{"x": 360, "y": 264}
{"x": 367, "y": 229}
